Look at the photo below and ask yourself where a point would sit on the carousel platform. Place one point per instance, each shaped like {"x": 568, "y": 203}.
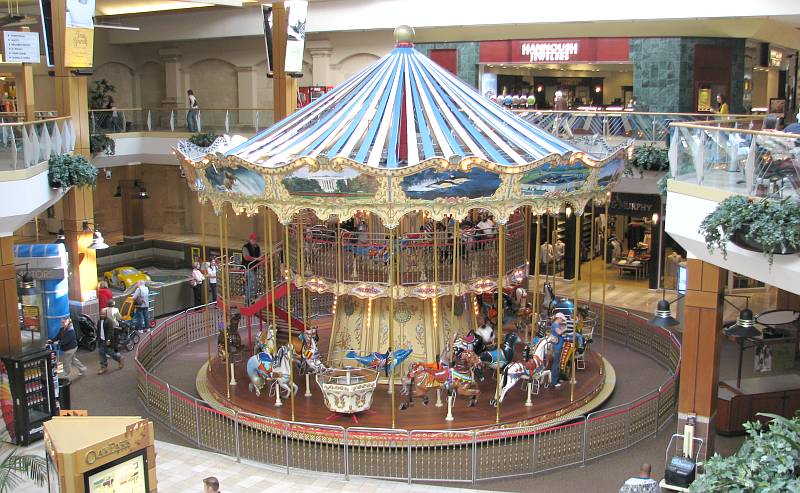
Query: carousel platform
{"x": 550, "y": 406}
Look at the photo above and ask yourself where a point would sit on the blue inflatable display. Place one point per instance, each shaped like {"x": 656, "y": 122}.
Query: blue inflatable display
{"x": 54, "y": 292}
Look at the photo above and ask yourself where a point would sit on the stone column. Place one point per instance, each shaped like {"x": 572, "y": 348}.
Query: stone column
{"x": 246, "y": 82}
{"x": 10, "y": 336}
{"x": 320, "y": 62}
{"x": 173, "y": 90}
{"x": 702, "y": 333}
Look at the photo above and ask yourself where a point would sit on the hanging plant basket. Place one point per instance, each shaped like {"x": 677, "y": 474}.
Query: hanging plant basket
{"x": 740, "y": 239}
{"x": 766, "y": 226}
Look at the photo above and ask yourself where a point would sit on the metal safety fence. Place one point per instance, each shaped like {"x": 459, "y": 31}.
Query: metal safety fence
{"x": 459, "y": 456}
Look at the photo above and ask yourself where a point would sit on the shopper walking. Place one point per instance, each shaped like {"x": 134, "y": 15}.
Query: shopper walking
{"x": 68, "y": 343}
{"x": 141, "y": 303}
{"x": 251, "y": 253}
{"x": 211, "y": 485}
{"x": 194, "y": 111}
{"x": 642, "y": 483}
{"x": 104, "y": 295}
{"x": 108, "y": 342}
{"x": 196, "y": 282}
{"x": 211, "y": 275}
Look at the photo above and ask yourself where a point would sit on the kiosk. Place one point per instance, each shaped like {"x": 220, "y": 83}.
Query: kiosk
{"x": 100, "y": 454}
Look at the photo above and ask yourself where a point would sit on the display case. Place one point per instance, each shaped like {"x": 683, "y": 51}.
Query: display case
{"x": 30, "y": 380}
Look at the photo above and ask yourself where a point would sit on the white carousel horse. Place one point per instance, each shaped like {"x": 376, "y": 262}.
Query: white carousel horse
{"x": 262, "y": 367}
{"x": 486, "y": 333}
{"x": 548, "y": 298}
{"x": 533, "y": 368}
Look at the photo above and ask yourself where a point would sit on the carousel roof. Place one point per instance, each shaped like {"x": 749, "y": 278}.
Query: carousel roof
{"x": 402, "y": 110}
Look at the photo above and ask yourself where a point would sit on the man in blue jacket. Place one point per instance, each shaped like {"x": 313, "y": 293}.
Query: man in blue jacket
{"x": 68, "y": 342}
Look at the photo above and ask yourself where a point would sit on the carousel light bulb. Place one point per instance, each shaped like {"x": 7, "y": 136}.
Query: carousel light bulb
{"x": 655, "y": 218}
{"x": 568, "y": 212}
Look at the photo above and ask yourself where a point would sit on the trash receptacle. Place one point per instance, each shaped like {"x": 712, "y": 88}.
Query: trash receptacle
{"x": 64, "y": 401}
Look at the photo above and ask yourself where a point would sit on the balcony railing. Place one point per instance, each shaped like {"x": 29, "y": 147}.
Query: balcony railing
{"x": 651, "y": 127}
{"x": 737, "y": 160}
{"x": 27, "y": 144}
{"x": 214, "y": 120}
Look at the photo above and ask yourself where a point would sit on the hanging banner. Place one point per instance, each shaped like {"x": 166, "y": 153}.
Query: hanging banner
{"x": 21, "y": 47}
{"x": 295, "y": 36}
{"x": 79, "y": 34}
{"x": 266, "y": 12}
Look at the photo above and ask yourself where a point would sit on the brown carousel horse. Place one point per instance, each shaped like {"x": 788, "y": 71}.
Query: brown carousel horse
{"x": 460, "y": 379}
{"x": 232, "y": 333}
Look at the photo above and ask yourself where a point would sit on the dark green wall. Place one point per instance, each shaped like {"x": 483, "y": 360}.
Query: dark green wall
{"x": 467, "y": 57}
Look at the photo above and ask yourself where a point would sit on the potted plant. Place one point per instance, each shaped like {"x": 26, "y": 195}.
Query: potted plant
{"x": 14, "y": 467}
{"x": 101, "y": 143}
{"x": 204, "y": 139}
{"x": 768, "y": 461}
{"x": 648, "y": 158}
{"x": 759, "y": 225}
{"x": 69, "y": 170}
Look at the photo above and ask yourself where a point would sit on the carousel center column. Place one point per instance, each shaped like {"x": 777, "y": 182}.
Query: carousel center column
{"x": 284, "y": 87}
{"x": 78, "y": 203}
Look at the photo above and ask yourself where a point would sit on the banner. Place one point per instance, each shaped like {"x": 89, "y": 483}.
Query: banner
{"x": 266, "y": 12}
{"x": 21, "y": 47}
{"x": 79, "y": 34}
{"x": 295, "y": 36}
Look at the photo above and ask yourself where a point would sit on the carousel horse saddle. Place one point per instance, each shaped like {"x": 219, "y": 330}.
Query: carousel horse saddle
{"x": 457, "y": 376}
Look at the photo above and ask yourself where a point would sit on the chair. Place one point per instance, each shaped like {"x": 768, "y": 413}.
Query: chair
{"x": 588, "y": 332}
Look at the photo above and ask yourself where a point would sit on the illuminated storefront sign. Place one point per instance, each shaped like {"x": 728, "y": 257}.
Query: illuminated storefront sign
{"x": 550, "y": 52}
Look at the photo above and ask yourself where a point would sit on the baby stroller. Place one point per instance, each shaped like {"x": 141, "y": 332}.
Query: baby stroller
{"x": 86, "y": 332}
{"x": 128, "y": 337}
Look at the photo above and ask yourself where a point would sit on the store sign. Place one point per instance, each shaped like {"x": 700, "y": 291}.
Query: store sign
{"x": 79, "y": 34}
{"x": 21, "y": 47}
{"x": 634, "y": 204}
{"x": 550, "y": 52}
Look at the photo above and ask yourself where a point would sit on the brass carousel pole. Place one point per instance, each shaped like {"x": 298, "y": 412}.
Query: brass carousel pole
{"x": 392, "y": 349}
{"x": 434, "y": 304}
{"x": 303, "y": 290}
{"x": 554, "y": 236}
{"x": 576, "y": 276}
{"x": 591, "y": 254}
{"x": 605, "y": 269}
{"x": 527, "y": 253}
{"x": 226, "y": 313}
{"x": 205, "y": 290}
{"x": 536, "y": 306}
{"x": 501, "y": 262}
{"x": 272, "y": 273}
{"x": 454, "y": 283}
{"x": 288, "y": 274}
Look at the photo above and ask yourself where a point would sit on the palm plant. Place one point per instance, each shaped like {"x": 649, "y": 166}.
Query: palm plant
{"x": 14, "y": 467}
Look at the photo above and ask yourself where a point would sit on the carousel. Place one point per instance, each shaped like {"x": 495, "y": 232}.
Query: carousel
{"x": 415, "y": 206}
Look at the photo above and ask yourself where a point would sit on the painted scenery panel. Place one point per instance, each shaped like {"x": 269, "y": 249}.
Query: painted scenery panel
{"x": 610, "y": 172}
{"x": 549, "y": 179}
{"x": 431, "y": 184}
{"x": 236, "y": 180}
{"x": 348, "y": 183}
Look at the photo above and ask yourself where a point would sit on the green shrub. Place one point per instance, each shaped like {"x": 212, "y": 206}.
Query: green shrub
{"x": 203, "y": 139}
{"x": 774, "y": 225}
{"x": 102, "y": 143}
{"x": 648, "y": 158}
{"x": 70, "y": 170}
{"x": 767, "y": 462}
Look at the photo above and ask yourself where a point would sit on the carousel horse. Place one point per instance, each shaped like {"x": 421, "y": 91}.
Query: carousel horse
{"x": 265, "y": 341}
{"x": 486, "y": 334}
{"x": 549, "y": 298}
{"x": 307, "y": 352}
{"x": 460, "y": 379}
{"x": 262, "y": 367}
{"x": 502, "y": 355}
{"x": 533, "y": 367}
{"x": 232, "y": 333}
{"x": 569, "y": 347}
{"x": 381, "y": 361}
{"x": 470, "y": 342}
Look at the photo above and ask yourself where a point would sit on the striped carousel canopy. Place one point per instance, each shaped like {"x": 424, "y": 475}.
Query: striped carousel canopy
{"x": 400, "y": 111}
